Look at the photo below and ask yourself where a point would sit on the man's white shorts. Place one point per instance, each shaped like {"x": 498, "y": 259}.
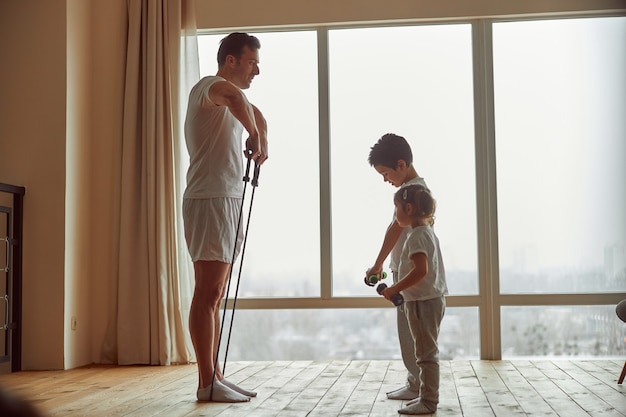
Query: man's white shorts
{"x": 210, "y": 228}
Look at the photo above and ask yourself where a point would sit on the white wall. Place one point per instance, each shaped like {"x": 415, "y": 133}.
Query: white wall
{"x": 32, "y": 154}
{"x": 252, "y": 14}
{"x": 77, "y": 341}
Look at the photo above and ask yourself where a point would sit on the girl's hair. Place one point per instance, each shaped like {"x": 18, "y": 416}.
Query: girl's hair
{"x": 420, "y": 197}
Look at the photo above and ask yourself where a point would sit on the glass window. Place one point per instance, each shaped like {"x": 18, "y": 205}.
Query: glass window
{"x": 560, "y": 101}
{"x": 562, "y": 331}
{"x": 560, "y": 98}
{"x": 283, "y": 248}
{"x": 330, "y": 334}
{"x": 415, "y": 81}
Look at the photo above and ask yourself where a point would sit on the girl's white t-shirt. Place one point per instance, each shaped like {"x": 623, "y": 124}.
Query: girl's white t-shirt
{"x": 422, "y": 239}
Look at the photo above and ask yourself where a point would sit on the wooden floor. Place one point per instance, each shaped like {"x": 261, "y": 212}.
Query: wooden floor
{"x": 325, "y": 389}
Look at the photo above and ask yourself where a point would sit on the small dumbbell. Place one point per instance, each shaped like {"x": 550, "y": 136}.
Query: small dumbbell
{"x": 397, "y": 299}
{"x": 374, "y": 278}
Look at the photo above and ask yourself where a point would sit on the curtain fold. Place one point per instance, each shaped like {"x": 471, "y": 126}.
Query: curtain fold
{"x": 148, "y": 323}
{"x": 189, "y": 75}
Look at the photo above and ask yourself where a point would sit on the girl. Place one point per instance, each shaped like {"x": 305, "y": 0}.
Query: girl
{"x": 423, "y": 286}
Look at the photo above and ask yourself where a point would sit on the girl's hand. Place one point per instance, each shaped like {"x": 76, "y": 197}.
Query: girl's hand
{"x": 389, "y": 292}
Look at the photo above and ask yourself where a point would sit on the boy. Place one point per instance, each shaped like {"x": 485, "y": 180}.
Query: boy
{"x": 392, "y": 158}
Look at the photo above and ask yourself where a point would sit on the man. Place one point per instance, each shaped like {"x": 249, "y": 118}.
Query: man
{"x": 217, "y": 115}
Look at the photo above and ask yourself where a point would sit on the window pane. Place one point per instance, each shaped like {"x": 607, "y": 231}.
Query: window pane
{"x": 283, "y": 249}
{"x": 560, "y": 101}
{"x": 328, "y": 334}
{"x": 562, "y": 331}
{"x": 416, "y": 82}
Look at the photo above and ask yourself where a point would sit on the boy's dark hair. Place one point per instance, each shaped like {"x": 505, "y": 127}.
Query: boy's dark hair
{"x": 389, "y": 149}
{"x": 233, "y": 44}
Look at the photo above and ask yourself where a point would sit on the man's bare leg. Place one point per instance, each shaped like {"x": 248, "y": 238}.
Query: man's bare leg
{"x": 218, "y": 373}
{"x": 204, "y": 325}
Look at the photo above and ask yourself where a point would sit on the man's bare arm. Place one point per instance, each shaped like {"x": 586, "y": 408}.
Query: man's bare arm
{"x": 224, "y": 93}
{"x": 261, "y": 125}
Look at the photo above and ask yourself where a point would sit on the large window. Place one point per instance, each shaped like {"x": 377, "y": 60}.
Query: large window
{"x": 560, "y": 99}
{"x": 329, "y": 334}
{"x": 548, "y": 191}
{"x": 415, "y": 81}
{"x": 282, "y": 252}
{"x": 556, "y": 331}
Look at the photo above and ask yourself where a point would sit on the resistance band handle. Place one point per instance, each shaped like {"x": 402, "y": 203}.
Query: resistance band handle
{"x": 246, "y": 177}
{"x": 257, "y": 171}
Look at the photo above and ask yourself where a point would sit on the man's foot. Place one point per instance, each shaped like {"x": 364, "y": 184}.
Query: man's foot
{"x": 221, "y": 394}
{"x": 238, "y": 388}
{"x": 417, "y": 408}
{"x": 404, "y": 393}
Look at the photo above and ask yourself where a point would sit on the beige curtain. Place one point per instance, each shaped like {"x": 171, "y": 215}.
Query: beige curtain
{"x": 189, "y": 74}
{"x": 148, "y": 321}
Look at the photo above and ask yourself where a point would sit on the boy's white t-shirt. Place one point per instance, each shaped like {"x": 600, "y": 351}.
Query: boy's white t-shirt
{"x": 422, "y": 239}
{"x": 394, "y": 263}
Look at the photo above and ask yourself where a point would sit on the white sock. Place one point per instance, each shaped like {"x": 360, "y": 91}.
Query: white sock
{"x": 238, "y": 388}
{"x": 404, "y": 393}
{"x": 221, "y": 394}
{"x": 416, "y": 408}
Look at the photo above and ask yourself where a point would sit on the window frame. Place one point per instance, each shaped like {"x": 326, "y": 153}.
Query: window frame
{"x": 489, "y": 300}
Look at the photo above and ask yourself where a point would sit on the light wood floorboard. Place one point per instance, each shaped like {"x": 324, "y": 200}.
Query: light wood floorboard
{"x": 470, "y": 388}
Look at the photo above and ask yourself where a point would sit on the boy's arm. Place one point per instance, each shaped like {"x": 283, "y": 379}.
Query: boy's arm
{"x": 419, "y": 271}
{"x": 391, "y": 237}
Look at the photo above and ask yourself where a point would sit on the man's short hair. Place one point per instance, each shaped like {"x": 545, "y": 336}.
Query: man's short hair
{"x": 234, "y": 44}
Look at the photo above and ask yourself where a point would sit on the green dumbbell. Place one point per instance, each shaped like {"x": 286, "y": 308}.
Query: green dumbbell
{"x": 374, "y": 278}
